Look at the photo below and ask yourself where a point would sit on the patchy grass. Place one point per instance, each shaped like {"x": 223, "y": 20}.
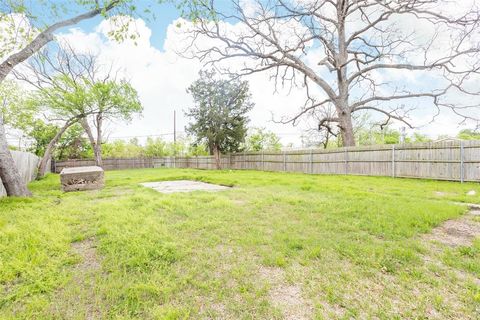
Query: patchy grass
{"x": 343, "y": 246}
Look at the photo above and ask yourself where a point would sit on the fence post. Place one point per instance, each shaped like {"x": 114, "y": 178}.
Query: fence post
{"x": 311, "y": 161}
{"x": 263, "y": 161}
{"x": 346, "y": 160}
{"x": 462, "y": 155}
{"x": 285, "y": 161}
{"x": 244, "y": 160}
{"x": 393, "y": 161}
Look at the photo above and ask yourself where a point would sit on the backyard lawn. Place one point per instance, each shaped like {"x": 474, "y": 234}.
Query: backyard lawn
{"x": 275, "y": 246}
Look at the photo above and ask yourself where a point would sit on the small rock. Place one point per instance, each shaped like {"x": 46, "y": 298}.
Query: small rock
{"x": 471, "y": 193}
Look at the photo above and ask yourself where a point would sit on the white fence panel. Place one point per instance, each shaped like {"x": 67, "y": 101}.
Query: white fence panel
{"x": 26, "y": 163}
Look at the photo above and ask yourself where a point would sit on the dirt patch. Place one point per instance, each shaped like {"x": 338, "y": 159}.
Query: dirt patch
{"x": 86, "y": 249}
{"x": 77, "y": 299}
{"x": 458, "y": 232}
{"x": 288, "y": 298}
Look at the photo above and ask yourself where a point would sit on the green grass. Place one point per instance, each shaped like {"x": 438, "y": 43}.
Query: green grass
{"x": 353, "y": 245}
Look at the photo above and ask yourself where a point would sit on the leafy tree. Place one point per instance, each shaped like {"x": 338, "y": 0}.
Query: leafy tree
{"x": 197, "y": 150}
{"x": 156, "y": 148}
{"x": 418, "y": 137}
{"x": 219, "y": 113}
{"x": 73, "y": 144}
{"x": 123, "y": 149}
{"x": 71, "y": 90}
{"x": 109, "y": 99}
{"x": 41, "y": 133}
{"x": 62, "y": 80}
{"x": 468, "y": 134}
{"x": 261, "y": 139}
{"x": 21, "y": 40}
{"x": 15, "y": 112}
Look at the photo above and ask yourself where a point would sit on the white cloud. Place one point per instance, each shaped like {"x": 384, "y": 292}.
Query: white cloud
{"x": 161, "y": 78}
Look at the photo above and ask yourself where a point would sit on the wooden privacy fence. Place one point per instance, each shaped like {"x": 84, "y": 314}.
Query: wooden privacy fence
{"x": 26, "y": 163}
{"x": 444, "y": 160}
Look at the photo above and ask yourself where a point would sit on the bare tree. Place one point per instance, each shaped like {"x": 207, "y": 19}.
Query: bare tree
{"x": 349, "y": 54}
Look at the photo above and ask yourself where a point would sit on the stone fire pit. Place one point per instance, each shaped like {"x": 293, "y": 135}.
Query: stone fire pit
{"x": 82, "y": 178}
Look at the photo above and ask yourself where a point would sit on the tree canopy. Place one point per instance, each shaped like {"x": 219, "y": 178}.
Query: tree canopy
{"x": 219, "y": 115}
{"x": 262, "y": 139}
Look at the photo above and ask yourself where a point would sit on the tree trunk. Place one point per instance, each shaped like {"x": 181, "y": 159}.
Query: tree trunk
{"x": 346, "y": 129}
{"x": 341, "y": 59}
{"x": 97, "y": 151}
{"x": 42, "y": 166}
{"x": 216, "y": 155}
{"x": 13, "y": 183}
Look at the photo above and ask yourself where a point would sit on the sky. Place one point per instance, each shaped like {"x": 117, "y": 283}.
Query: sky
{"x": 161, "y": 77}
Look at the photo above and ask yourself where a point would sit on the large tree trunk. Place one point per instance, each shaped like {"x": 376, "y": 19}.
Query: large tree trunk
{"x": 13, "y": 183}
{"x": 216, "y": 155}
{"x": 42, "y": 166}
{"x": 341, "y": 59}
{"x": 346, "y": 129}
{"x": 97, "y": 151}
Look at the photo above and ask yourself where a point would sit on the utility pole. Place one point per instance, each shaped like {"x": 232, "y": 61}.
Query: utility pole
{"x": 174, "y": 139}
{"x": 174, "y": 128}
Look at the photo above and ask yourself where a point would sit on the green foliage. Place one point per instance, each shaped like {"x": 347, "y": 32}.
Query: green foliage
{"x": 152, "y": 148}
{"x": 468, "y": 134}
{"x": 197, "y": 150}
{"x": 351, "y": 245}
{"x": 123, "y": 149}
{"x": 418, "y": 137}
{"x": 41, "y": 133}
{"x": 219, "y": 114}
{"x": 377, "y": 136}
{"x": 156, "y": 148}
{"x": 15, "y": 110}
{"x": 261, "y": 139}
{"x": 113, "y": 99}
{"x": 65, "y": 99}
{"x": 73, "y": 145}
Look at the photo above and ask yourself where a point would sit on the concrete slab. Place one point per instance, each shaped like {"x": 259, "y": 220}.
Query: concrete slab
{"x": 183, "y": 186}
